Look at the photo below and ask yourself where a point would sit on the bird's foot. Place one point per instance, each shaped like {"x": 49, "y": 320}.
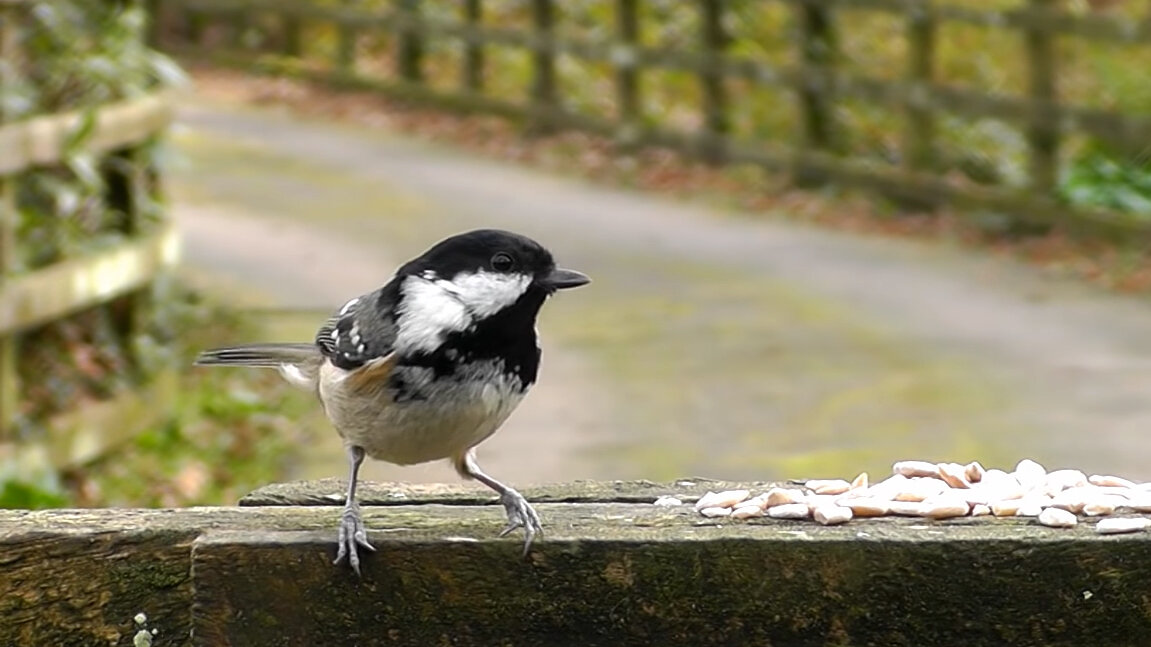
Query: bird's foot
{"x": 352, "y": 537}
{"x": 521, "y": 514}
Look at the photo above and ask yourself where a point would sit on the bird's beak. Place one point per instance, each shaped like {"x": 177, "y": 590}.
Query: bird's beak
{"x": 560, "y": 279}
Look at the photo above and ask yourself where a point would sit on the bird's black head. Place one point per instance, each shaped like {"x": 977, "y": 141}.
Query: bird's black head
{"x": 490, "y": 268}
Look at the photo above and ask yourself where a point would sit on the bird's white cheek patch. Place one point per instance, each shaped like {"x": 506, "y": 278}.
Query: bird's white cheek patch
{"x": 486, "y": 293}
{"x": 426, "y": 313}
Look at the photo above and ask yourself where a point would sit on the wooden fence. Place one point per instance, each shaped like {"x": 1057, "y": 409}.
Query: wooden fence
{"x": 123, "y": 270}
{"x": 223, "y": 30}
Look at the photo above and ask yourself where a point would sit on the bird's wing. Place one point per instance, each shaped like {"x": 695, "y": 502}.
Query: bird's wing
{"x": 361, "y": 333}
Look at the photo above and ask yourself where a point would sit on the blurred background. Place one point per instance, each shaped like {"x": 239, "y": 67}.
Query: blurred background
{"x": 824, "y": 236}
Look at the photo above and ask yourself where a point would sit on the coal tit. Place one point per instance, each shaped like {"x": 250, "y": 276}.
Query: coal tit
{"x": 429, "y": 365}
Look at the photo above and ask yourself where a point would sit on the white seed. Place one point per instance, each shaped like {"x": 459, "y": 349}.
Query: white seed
{"x": 1060, "y": 480}
{"x": 888, "y": 487}
{"x": 1098, "y": 509}
{"x": 1029, "y": 473}
{"x": 830, "y": 515}
{"x": 920, "y": 488}
{"x": 1106, "y": 480}
{"x": 953, "y": 474}
{"x": 814, "y": 501}
{"x": 705, "y": 501}
{"x": 945, "y": 507}
{"x": 980, "y": 510}
{"x": 828, "y": 486}
{"x": 725, "y": 499}
{"x": 759, "y": 501}
{"x": 915, "y": 468}
{"x": 1073, "y": 499}
{"x": 1006, "y": 508}
{"x": 1030, "y": 507}
{"x": 1103, "y": 505}
{"x": 789, "y": 511}
{"x": 747, "y": 512}
{"x": 859, "y": 482}
{"x": 667, "y": 501}
{"x": 999, "y": 485}
{"x": 974, "y": 472}
{"x": 866, "y": 507}
{"x": 1057, "y": 518}
{"x": 906, "y": 508}
{"x": 1139, "y": 502}
{"x": 1117, "y": 525}
{"x": 783, "y": 496}
{"x": 977, "y": 496}
{"x": 716, "y": 511}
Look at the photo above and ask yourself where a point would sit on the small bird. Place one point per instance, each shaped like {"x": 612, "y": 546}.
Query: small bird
{"x": 428, "y": 366}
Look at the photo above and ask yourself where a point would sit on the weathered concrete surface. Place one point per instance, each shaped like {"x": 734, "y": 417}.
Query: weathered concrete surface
{"x": 605, "y": 574}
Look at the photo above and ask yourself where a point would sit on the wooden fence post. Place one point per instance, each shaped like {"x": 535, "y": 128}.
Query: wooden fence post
{"x": 713, "y": 41}
{"x": 918, "y": 153}
{"x": 9, "y": 348}
{"x": 346, "y": 37}
{"x": 543, "y": 95}
{"x": 1043, "y": 130}
{"x": 197, "y": 26}
{"x": 241, "y": 19}
{"x": 818, "y": 53}
{"x": 156, "y": 24}
{"x": 292, "y": 34}
{"x": 473, "y": 66}
{"x": 409, "y": 44}
{"x": 629, "y": 110}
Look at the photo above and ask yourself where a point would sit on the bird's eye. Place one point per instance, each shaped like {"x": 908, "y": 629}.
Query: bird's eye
{"x": 503, "y": 262}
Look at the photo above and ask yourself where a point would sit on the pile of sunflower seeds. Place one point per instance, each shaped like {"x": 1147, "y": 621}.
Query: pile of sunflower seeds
{"x": 946, "y": 490}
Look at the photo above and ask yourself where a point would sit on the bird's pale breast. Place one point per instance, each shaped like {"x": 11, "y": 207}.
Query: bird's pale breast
{"x": 429, "y": 419}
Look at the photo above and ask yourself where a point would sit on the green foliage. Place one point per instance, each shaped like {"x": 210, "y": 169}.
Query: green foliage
{"x": 1102, "y": 178}
{"x": 229, "y": 432}
{"x": 16, "y": 492}
{"x": 76, "y": 54}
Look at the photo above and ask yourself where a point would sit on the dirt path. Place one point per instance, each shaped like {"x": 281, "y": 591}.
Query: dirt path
{"x": 710, "y": 343}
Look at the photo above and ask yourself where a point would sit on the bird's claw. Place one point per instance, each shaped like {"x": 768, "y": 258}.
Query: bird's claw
{"x": 520, "y": 515}
{"x": 352, "y": 536}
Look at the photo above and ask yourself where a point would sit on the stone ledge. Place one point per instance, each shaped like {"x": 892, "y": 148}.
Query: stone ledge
{"x": 607, "y": 573}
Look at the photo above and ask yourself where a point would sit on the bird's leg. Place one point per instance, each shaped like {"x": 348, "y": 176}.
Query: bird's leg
{"x": 520, "y": 512}
{"x": 352, "y": 532}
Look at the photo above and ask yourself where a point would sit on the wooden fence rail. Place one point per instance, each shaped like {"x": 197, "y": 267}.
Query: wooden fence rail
{"x": 611, "y": 569}
{"x": 817, "y": 80}
{"x": 95, "y": 276}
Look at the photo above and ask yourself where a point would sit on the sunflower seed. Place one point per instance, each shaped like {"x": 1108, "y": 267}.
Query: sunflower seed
{"x": 953, "y": 474}
{"x": 915, "y": 468}
{"x": 828, "y": 486}
{"x": 789, "y": 511}
{"x": 831, "y": 515}
{"x": 1106, "y": 480}
{"x": 1029, "y": 473}
{"x": 782, "y": 496}
{"x": 974, "y": 472}
{"x": 1057, "y": 518}
{"x": 725, "y": 499}
{"x": 866, "y": 507}
{"x": 747, "y": 512}
{"x": 1117, "y": 525}
{"x": 945, "y": 507}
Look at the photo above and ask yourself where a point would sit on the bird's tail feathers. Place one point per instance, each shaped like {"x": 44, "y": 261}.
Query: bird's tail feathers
{"x": 261, "y": 355}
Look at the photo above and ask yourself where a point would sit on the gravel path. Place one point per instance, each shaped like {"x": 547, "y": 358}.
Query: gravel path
{"x": 710, "y": 343}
